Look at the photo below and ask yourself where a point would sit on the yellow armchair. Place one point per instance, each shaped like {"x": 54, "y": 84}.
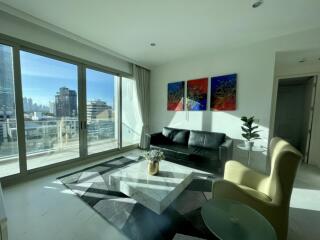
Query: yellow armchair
{"x": 268, "y": 194}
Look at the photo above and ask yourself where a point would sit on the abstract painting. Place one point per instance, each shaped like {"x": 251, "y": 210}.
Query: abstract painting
{"x": 197, "y": 91}
{"x": 175, "y": 96}
{"x": 223, "y": 93}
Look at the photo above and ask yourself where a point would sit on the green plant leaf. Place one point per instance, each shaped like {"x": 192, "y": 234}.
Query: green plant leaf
{"x": 244, "y": 118}
{"x": 246, "y": 136}
{"x": 244, "y": 129}
{"x": 250, "y": 121}
{"x": 256, "y": 131}
{"x": 254, "y": 135}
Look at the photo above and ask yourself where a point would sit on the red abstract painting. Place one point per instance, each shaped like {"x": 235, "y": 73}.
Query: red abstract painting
{"x": 197, "y": 92}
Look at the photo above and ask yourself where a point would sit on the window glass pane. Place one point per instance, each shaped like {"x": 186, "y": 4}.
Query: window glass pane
{"x": 131, "y": 118}
{"x": 9, "y": 159}
{"x": 102, "y": 109}
{"x": 50, "y": 102}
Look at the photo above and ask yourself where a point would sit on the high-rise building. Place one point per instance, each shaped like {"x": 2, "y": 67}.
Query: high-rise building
{"x": 7, "y": 108}
{"x": 98, "y": 110}
{"x": 66, "y": 103}
{"x": 52, "y": 108}
{"x": 30, "y": 104}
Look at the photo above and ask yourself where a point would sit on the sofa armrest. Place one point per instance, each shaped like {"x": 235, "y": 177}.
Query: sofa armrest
{"x": 225, "y": 151}
{"x": 157, "y": 138}
{"x": 238, "y": 173}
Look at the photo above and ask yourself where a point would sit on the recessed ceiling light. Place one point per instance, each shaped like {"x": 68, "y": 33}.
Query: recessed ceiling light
{"x": 153, "y": 44}
{"x": 302, "y": 60}
{"x": 256, "y": 3}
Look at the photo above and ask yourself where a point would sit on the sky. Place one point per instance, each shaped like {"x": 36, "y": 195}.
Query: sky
{"x": 42, "y": 77}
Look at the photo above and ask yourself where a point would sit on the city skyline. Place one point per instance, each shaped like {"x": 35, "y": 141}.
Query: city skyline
{"x": 49, "y": 105}
{"x": 42, "y": 78}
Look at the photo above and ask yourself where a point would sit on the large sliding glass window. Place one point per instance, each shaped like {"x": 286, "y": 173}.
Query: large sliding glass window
{"x": 102, "y": 111}
{"x": 64, "y": 111}
{"x": 131, "y": 118}
{"x": 9, "y": 156}
{"x": 50, "y": 103}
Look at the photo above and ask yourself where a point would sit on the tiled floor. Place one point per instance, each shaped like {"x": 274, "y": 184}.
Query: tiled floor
{"x": 44, "y": 209}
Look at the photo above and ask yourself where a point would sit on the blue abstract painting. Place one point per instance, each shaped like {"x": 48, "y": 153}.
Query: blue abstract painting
{"x": 175, "y": 96}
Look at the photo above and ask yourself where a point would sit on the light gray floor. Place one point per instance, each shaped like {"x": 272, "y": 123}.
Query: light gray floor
{"x": 305, "y": 205}
{"x": 45, "y": 209}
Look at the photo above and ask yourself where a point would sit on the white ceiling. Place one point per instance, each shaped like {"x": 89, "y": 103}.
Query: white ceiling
{"x": 181, "y": 28}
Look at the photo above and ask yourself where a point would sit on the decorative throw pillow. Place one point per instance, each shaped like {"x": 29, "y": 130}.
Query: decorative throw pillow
{"x": 206, "y": 139}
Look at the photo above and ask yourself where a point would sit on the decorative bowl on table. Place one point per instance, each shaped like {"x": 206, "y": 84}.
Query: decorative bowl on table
{"x": 154, "y": 157}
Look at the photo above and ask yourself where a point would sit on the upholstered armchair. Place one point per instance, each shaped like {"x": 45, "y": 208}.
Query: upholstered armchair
{"x": 268, "y": 194}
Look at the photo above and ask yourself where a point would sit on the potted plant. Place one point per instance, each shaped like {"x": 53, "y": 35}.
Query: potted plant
{"x": 249, "y": 131}
{"x": 154, "y": 157}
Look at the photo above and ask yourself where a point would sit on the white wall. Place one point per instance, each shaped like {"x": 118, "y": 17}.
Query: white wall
{"x": 252, "y": 95}
{"x": 296, "y": 69}
{"x": 27, "y": 31}
{"x": 255, "y": 68}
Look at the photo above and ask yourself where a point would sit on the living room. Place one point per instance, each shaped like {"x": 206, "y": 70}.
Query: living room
{"x": 94, "y": 94}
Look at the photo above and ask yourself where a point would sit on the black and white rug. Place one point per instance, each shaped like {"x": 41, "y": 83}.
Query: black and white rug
{"x": 131, "y": 218}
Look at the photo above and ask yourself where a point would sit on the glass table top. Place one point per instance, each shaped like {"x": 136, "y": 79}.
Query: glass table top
{"x": 228, "y": 220}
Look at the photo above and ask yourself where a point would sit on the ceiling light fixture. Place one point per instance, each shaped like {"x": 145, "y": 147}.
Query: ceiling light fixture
{"x": 153, "y": 44}
{"x": 256, "y": 3}
{"x": 302, "y": 60}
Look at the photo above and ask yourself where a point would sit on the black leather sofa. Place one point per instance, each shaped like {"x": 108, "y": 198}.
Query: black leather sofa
{"x": 202, "y": 150}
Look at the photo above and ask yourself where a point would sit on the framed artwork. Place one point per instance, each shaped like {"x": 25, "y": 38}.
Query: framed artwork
{"x": 197, "y": 92}
{"x": 224, "y": 93}
{"x": 175, "y": 96}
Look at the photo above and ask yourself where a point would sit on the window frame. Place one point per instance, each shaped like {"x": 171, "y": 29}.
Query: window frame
{"x": 82, "y": 64}
{"x": 119, "y": 101}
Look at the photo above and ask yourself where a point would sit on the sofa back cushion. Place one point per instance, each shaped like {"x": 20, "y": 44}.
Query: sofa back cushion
{"x": 178, "y": 136}
{"x": 206, "y": 139}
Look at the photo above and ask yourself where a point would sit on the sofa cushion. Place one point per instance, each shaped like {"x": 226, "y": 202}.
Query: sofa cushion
{"x": 210, "y": 140}
{"x": 181, "y": 149}
{"x": 175, "y": 153}
{"x": 179, "y": 136}
{"x": 168, "y": 132}
{"x": 199, "y": 153}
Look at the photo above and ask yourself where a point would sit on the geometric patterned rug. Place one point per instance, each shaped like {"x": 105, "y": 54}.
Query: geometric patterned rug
{"x": 181, "y": 218}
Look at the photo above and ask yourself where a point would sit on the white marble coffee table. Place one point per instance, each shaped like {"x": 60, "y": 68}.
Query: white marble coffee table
{"x": 154, "y": 192}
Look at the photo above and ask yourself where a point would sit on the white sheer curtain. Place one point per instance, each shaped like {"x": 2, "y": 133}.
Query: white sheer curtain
{"x": 142, "y": 77}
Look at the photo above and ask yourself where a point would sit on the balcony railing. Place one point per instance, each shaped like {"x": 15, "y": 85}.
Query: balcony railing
{"x": 45, "y": 137}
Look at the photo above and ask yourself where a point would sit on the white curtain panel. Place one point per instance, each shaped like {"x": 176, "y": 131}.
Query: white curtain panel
{"x": 142, "y": 77}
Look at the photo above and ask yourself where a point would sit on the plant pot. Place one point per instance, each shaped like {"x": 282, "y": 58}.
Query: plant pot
{"x": 153, "y": 168}
{"x": 248, "y": 144}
